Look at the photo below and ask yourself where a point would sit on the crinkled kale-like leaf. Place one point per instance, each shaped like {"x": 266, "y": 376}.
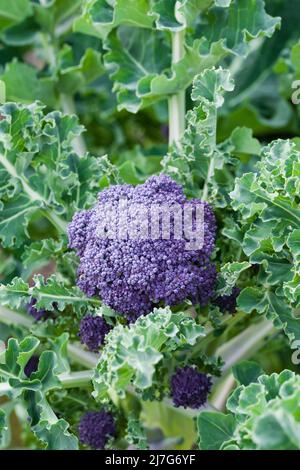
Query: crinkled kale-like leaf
{"x": 268, "y": 204}
{"x": 33, "y": 388}
{"x": 50, "y": 294}
{"x": 131, "y": 355}
{"x": 39, "y": 171}
{"x": 263, "y": 416}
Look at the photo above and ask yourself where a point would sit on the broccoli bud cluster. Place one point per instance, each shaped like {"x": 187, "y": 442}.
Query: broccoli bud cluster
{"x": 227, "y": 303}
{"x": 134, "y": 275}
{"x": 189, "y": 388}
{"x": 95, "y": 428}
{"x": 92, "y": 331}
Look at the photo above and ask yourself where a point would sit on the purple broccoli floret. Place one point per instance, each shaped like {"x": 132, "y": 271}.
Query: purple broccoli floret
{"x": 31, "y": 366}
{"x": 189, "y": 388}
{"x": 95, "y": 428}
{"x": 227, "y": 303}
{"x": 92, "y": 331}
{"x": 134, "y": 275}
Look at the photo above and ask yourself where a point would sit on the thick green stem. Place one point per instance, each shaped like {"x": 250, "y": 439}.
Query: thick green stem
{"x": 79, "y": 355}
{"x": 208, "y": 178}
{"x": 5, "y": 388}
{"x": 246, "y": 343}
{"x": 76, "y": 379}
{"x": 9, "y": 317}
{"x": 212, "y": 157}
{"x": 177, "y": 102}
{"x": 68, "y": 380}
{"x": 75, "y": 352}
{"x": 238, "y": 348}
{"x": 57, "y": 222}
{"x": 221, "y": 391}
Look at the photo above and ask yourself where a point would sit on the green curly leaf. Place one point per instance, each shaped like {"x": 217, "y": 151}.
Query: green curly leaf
{"x": 263, "y": 416}
{"x": 132, "y": 354}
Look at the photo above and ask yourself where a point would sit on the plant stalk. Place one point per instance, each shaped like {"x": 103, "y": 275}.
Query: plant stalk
{"x": 9, "y": 317}
{"x": 75, "y": 352}
{"x": 5, "y": 388}
{"x": 246, "y": 343}
{"x": 238, "y": 348}
{"x": 221, "y": 392}
{"x": 68, "y": 380}
{"x": 177, "y": 102}
{"x": 79, "y": 355}
{"x": 66, "y": 101}
{"x": 76, "y": 379}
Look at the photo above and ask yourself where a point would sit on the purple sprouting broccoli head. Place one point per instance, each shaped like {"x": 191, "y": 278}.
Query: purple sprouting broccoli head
{"x": 96, "y": 428}
{"x": 92, "y": 331}
{"x": 133, "y": 274}
{"x": 31, "y": 366}
{"x": 227, "y": 303}
{"x": 190, "y": 388}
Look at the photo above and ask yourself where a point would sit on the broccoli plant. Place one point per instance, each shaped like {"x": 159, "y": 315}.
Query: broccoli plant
{"x": 117, "y": 335}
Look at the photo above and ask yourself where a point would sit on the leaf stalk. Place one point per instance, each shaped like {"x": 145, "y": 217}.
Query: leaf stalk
{"x": 177, "y": 102}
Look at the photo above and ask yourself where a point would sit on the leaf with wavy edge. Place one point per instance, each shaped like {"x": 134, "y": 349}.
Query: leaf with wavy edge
{"x": 273, "y": 306}
{"x": 174, "y": 15}
{"x": 198, "y": 154}
{"x": 292, "y": 288}
{"x": 32, "y": 141}
{"x": 262, "y": 416}
{"x": 49, "y": 294}
{"x": 45, "y": 424}
{"x": 267, "y": 202}
{"x": 201, "y": 52}
{"x": 239, "y": 24}
{"x": 99, "y": 17}
{"x": 131, "y": 355}
{"x": 14, "y": 12}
